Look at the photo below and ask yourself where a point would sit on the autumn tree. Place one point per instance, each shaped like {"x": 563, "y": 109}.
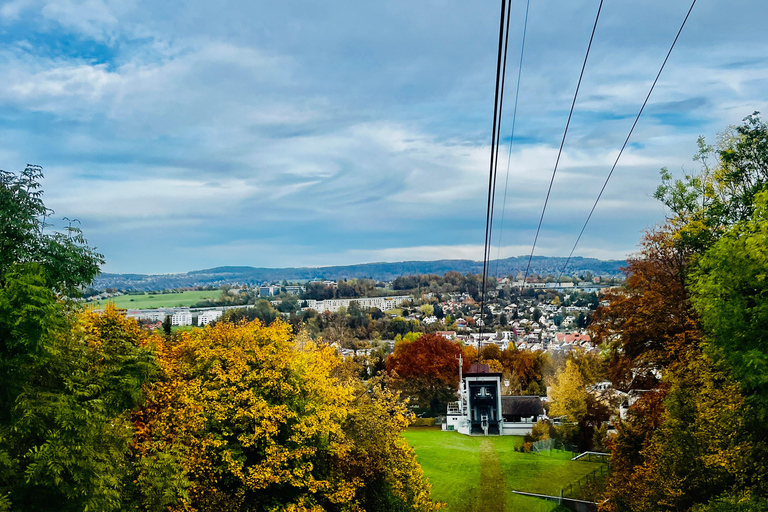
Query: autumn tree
{"x": 525, "y": 367}
{"x": 692, "y": 310}
{"x": 591, "y": 364}
{"x": 492, "y": 351}
{"x": 569, "y": 395}
{"x": 427, "y": 371}
{"x": 261, "y": 420}
{"x": 683, "y": 444}
{"x": 380, "y": 456}
{"x": 651, "y": 321}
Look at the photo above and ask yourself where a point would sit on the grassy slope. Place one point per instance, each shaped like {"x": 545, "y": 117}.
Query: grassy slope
{"x": 452, "y": 462}
{"x": 160, "y": 300}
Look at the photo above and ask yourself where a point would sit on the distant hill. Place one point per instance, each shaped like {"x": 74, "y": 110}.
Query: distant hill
{"x": 541, "y": 265}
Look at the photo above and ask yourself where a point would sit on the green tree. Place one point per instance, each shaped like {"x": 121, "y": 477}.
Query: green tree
{"x": 262, "y": 311}
{"x": 66, "y": 260}
{"x": 731, "y": 295}
{"x": 65, "y": 438}
{"x": 68, "y": 379}
{"x": 167, "y": 325}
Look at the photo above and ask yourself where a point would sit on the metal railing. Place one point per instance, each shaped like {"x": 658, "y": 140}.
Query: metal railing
{"x": 591, "y": 477}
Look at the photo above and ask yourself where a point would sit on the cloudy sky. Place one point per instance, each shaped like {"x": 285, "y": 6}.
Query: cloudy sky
{"x": 187, "y": 135}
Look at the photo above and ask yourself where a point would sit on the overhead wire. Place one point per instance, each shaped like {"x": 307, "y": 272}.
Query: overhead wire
{"x": 512, "y": 135}
{"x": 626, "y": 141}
{"x": 501, "y": 64}
{"x": 562, "y": 142}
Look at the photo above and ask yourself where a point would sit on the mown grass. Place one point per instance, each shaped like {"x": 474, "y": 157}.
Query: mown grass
{"x": 159, "y": 300}
{"x": 470, "y": 479}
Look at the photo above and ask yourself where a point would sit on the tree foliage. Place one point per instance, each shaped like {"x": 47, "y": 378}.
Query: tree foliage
{"x": 66, "y": 260}
{"x": 265, "y": 421}
{"x": 98, "y": 414}
{"x": 427, "y": 371}
{"x": 694, "y": 310}
{"x": 731, "y": 294}
{"x": 682, "y": 444}
{"x": 651, "y": 321}
{"x": 65, "y": 437}
{"x": 569, "y": 395}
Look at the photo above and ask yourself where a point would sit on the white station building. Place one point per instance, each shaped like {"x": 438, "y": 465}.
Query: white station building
{"x": 482, "y": 410}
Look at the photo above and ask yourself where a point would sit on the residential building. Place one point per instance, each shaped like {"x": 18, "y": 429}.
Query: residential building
{"x": 333, "y": 305}
{"x": 181, "y": 318}
{"x": 268, "y": 290}
{"x": 206, "y": 317}
{"x": 154, "y": 315}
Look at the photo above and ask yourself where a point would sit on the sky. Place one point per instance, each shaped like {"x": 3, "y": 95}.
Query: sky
{"x": 194, "y": 134}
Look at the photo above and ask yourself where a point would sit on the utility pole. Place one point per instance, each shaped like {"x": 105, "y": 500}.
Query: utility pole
{"x": 461, "y": 385}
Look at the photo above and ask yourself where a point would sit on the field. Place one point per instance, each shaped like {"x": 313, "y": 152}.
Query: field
{"x": 479, "y": 473}
{"x": 160, "y": 300}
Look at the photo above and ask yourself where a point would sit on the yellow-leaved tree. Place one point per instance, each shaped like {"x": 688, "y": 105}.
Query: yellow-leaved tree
{"x": 569, "y": 394}
{"x": 261, "y": 420}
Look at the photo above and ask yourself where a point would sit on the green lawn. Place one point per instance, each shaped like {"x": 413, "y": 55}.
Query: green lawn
{"x": 160, "y": 300}
{"x": 479, "y": 473}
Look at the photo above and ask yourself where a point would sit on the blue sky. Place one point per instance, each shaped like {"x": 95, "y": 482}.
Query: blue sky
{"x": 186, "y": 135}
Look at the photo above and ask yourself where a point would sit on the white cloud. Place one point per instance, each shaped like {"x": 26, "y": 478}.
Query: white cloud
{"x": 92, "y": 18}
{"x": 155, "y": 199}
{"x": 10, "y": 11}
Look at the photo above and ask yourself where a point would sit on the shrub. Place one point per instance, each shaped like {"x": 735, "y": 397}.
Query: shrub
{"x": 543, "y": 429}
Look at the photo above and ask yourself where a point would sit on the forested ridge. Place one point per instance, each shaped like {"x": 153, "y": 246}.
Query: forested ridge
{"x": 378, "y": 271}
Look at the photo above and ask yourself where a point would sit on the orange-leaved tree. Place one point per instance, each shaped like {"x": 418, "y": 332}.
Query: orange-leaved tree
{"x": 427, "y": 371}
{"x": 651, "y": 321}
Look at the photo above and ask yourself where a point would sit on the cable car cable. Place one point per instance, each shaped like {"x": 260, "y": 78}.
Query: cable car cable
{"x": 637, "y": 118}
{"x": 562, "y": 142}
